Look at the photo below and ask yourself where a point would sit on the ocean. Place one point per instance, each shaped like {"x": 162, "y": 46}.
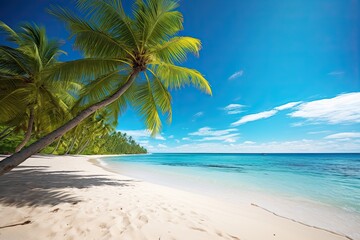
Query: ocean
{"x": 321, "y": 190}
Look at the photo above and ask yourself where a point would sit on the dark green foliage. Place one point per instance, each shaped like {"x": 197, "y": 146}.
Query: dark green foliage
{"x": 108, "y": 143}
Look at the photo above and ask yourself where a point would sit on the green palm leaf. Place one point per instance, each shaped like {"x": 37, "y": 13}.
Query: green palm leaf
{"x": 174, "y": 77}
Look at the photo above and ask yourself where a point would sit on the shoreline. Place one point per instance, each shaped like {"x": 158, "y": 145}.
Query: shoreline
{"x": 98, "y": 162}
{"x": 132, "y": 210}
{"x": 275, "y": 204}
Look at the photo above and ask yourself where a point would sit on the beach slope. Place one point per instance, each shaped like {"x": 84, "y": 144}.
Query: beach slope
{"x": 69, "y": 197}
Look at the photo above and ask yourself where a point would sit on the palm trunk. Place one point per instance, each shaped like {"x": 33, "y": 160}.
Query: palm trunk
{"x": 71, "y": 146}
{"x": 57, "y": 145}
{"x": 28, "y": 131}
{"x": 83, "y": 147}
{"x": 81, "y": 141}
{"x": 14, "y": 160}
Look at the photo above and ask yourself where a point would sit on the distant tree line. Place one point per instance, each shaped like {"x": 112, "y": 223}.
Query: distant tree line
{"x": 93, "y": 136}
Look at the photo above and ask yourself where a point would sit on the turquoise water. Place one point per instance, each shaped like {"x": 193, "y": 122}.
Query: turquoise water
{"x": 332, "y": 179}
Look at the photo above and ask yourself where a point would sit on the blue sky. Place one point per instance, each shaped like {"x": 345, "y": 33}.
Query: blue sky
{"x": 284, "y": 74}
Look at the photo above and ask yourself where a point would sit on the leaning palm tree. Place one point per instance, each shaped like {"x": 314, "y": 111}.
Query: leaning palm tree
{"x": 29, "y": 100}
{"x": 130, "y": 59}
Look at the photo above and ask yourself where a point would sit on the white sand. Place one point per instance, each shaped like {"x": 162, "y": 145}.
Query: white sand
{"x": 71, "y": 198}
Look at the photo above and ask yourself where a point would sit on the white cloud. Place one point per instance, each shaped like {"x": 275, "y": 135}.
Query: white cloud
{"x": 249, "y": 142}
{"x": 162, "y": 146}
{"x": 210, "y": 134}
{"x": 225, "y": 138}
{"x": 265, "y": 114}
{"x": 342, "y": 109}
{"x": 233, "y": 108}
{"x": 234, "y": 112}
{"x": 254, "y": 117}
{"x": 199, "y": 114}
{"x": 207, "y": 131}
{"x": 297, "y": 124}
{"x": 236, "y": 75}
{"x": 177, "y": 140}
{"x": 230, "y": 140}
{"x": 141, "y": 134}
{"x": 185, "y": 139}
{"x": 319, "y": 132}
{"x": 171, "y": 136}
{"x": 336, "y": 73}
{"x": 287, "y": 106}
{"x": 298, "y": 146}
{"x": 343, "y": 135}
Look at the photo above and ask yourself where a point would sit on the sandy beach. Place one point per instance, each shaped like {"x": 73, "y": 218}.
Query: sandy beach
{"x": 74, "y": 198}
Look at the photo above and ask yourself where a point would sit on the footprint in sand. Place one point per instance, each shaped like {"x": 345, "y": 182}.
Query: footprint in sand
{"x": 103, "y": 225}
{"x": 198, "y": 229}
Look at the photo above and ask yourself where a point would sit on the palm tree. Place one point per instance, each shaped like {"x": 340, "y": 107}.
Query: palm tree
{"x": 131, "y": 59}
{"x": 28, "y": 98}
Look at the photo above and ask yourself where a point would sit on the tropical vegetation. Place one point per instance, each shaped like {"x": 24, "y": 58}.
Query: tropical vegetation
{"x": 129, "y": 60}
{"x": 32, "y": 104}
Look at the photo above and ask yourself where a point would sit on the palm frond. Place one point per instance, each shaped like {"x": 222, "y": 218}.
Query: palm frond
{"x": 11, "y": 35}
{"x": 162, "y": 97}
{"x": 82, "y": 69}
{"x": 145, "y": 105}
{"x": 14, "y": 60}
{"x": 157, "y": 20}
{"x": 112, "y": 18}
{"x": 176, "y": 49}
{"x": 90, "y": 38}
{"x": 175, "y": 77}
{"x": 15, "y": 103}
{"x": 98, "y": 89}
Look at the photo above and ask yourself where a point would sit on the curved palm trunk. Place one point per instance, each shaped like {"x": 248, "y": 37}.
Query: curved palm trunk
{"x": 71, "y": 146}
{"x": 14, "y": 160}
{"x": 57, "y": 145}
{"x": 83, "y": 147}
{"x": 28, "y": 131}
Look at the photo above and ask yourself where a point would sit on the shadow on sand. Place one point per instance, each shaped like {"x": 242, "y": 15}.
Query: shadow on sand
{"x": 37, "y": 186}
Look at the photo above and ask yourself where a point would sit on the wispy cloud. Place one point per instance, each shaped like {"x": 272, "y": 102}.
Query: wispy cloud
{"x": 342, "y": 109}
{"x": 210, "y": 134}
{"x": 185, "y": 139}
{"x": 236, "y": 75}
{"x": 287, "y": 106}
{"x": 254, "y": 117}
{"x": 249, "y": 142}
{"x": 336, "y": 73}
{"x": 264, "y": 114}
{"x": 171, "y": 136}
{"x": 319, "y": 132}
{"x": 207, "y": 131}
{"x": 162, "y": 146}
{"x": 303, "y": 145}
{"x": 141, "y": 134}
{"x": 231, "y": 138}
{"x": 233, "y": 108}
{"x": 343, "y": 135}
{"x": 197, "y": 115}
